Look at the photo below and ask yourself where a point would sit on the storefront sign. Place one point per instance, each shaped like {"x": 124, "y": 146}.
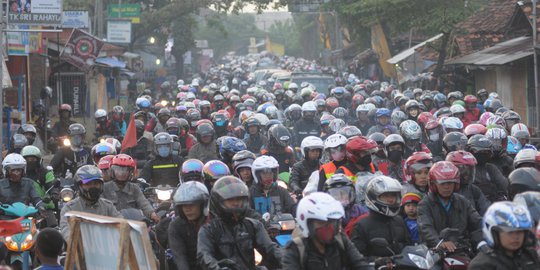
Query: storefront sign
{"x": 35, "y": 12}
{"x": 75, "y": 19}
{"x": 125, "y": 11}
{"x": 119, "y": 31}
{"x": 82, "y": 49}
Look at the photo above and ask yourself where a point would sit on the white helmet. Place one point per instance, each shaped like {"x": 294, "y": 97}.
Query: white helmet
{"x": 310, "y": 143}
{"x": 263, "y": 119}
{"x": 520, "y": 131}
{"x": 378, "y": 186}
{"x": 525, "y": 156}
{"x": 293, "y": 86}
{"x": 516, "y": 218}
{"x": 100, "y": 113}
{"x": 13, "y": 161}
{"x": 457, "y": 109}
{"x": 180, "y": 82}
{"x": 451, "y": 123}
{"x": 264, "y": 163}
{"x": 309, "y": 106}
{"x": 335, "y": 140}
{"x": 363, "y": 108}
{"x": 319, "y": 206}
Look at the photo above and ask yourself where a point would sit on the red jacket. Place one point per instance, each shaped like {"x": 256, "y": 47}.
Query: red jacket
{"x": 471, "y": 116}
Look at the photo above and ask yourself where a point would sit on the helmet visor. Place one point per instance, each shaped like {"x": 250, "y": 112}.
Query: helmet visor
{"x": 121, "y": 173}
{"x": 345, "y": 195}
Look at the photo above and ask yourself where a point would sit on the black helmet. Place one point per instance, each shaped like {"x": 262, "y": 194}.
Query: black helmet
{"x": 251, "y": 122}
{"x": 479, "y": 143}
{"x": 229, "y": 187}
{"x": 76, "y": 129}
{"x": 86, "y": 174}
{"x": 205, "y": 129}
{"x": 341, "y": 188}
{"x": 279, "y": 136}
{"x": 523, "y": 179}
{"x": 139, "y": 126}
{"x": 164, "y": 112}
{"x": 454, "y": 141}
{"x": 340, "y": 113}
{"x": 140, "y": 114}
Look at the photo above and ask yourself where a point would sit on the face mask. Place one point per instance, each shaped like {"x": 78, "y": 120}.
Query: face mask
{"x": 325, "y": 234}
{"x": 395, "y": 155}
{"x": 365, "y": 161}
{"x": 482, "y": 158}
{"x": 92, "y": 194}
{"x": 32, "y": 165}
{"x": 338, "y": 156}
{"x": 76, "y": 140}
{"x": 164, "y": 151}
{"x": 434, "y": 137}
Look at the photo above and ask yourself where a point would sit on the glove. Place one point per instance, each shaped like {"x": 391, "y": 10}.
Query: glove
{"x": 383, "y": 261}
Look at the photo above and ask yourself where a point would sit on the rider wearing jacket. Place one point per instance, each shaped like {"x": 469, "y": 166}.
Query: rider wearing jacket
{"x": 205, "y": 149}
{"x": 487, "y": 176}
{"x": 254, "y": 138}
{"x": 444, "y": 208}
{"x": 230, "y": 237}
{"x": 74, "y": 156}
{"x": 308, "y": 125}
{"x": 43, "y": 177}
{"x": 383, "y": 198}
{"x": 191, "y": 207}
{"x": 122, "y": 192}
{"x": 466, "y": 163}
{"x": 322, "y": 245}
{"x": 15, "y": 187}
{"x": 394, "y": 164}
{"x": 142, "y": 152}
{"x": 334, "y": 147}
{"x": 164, "y": 169}
{"x": 358, "y": 151}
{"x": 312, "y": 149}
{"x": 266, "y": 195}
{"x": 279, "y": 139}
{"x": 507, "y": 239}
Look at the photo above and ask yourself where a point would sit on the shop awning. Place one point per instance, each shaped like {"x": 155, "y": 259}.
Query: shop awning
{"x": 500, "y": 54}
{"x": 410, "y": 51}
{"x": 111, "y": 62}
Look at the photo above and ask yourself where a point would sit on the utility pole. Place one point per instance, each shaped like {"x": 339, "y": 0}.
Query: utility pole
{"x": 535, "y": 61}
{"x": 2, "y": 77}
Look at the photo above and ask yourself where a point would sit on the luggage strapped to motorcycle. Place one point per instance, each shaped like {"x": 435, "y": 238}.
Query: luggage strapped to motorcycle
{"x": 302, "y": 248}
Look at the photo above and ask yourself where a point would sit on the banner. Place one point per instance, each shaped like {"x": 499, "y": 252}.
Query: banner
{"x": 35, "y": 12}
{"x": 380, "y": 46}
{"x": 125, "y": 11}
{"x": 82, "y": 49}
{"x": 75, "y": 19}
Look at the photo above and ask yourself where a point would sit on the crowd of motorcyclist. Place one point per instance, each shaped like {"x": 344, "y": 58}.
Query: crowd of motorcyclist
{"x": 360, "y": 161}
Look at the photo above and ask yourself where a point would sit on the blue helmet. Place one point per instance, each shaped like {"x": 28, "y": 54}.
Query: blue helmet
{"x": 229, "y": 146}
{"x": 506, "y": 217}
{"x": 383, "y": 112}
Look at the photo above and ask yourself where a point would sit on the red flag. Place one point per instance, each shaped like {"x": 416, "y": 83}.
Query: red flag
{"x": 130, "y": 139}
{"x": 11, "y": 227}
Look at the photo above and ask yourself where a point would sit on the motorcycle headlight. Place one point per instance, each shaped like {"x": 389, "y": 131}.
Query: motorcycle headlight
{"x": 287, "y": 225}
{"x": 258, "y": 257}
{"x": 164, "y": 103}
{"x": 28, "y": 242}
{"x": 10, "y": 243}
{"x": 164, "y": 195}
{"x": 67, "y": 194}
{"x": 67, "y": 142}
{"x": 419, "y": 261}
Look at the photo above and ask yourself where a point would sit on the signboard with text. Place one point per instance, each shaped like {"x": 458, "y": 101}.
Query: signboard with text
{"x": 119, "y": 31}
{"x": 125, "y": 11}
{"x": 35, "y": 12}
{"x": 75, "y": 19}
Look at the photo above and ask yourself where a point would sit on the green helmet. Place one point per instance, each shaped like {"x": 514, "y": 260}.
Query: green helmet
{"x": 31, "y": 151}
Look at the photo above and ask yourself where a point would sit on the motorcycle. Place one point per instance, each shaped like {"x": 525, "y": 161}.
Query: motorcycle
{"x": 280, "y": 227}
{"x": 67, "y": 191}
{"x": 20, "y": 244}
{"x": 160, "y": 197}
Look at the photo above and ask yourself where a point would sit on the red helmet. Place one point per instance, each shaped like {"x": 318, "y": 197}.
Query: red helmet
{"x": 417, "y": 161}
{"x": 123, "y": 163}
{"x": 357, "y": 100}
{"x": 424, "y": 118}
{"x": 474, "y": 129}
{"x": 357, "y": 144}
{"x": 443, "y": 172}
{"x": 432, "y": 124}
{"x": 64, "y": 107}
{"x": 105, "y": 162}
{"x": 332, "y": 103}
{"x": 470, "y": 99}
{"x": 461, "y": 157}
{"x": 202, "y": 121}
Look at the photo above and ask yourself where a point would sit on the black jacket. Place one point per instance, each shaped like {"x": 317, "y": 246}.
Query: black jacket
{"x": 476, "y": 197}
{"x": 162, "y": 171}
{"x": 304, "y": 128}
{"x": 336, "y": 257}
{"x": 375, "y": 225}
{"x": 505, "y": 164}
{"x": 277, "y": 200}
{"x": 142, "y": 152}
{"x": 432, "y": 219}
{"x": 300, "y": 173}
{"x": 255, "y": 143}
{"x": 218, "y": 241}
{"x": 66, "y": 159}
{"x": 524, "y": 259}
{"x": 183, "y": 242}
{"x": 491, "y": 181}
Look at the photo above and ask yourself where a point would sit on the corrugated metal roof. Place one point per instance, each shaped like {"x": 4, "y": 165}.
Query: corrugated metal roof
{"x": 500, "y": 54}
{"x": 410, "y": 51}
